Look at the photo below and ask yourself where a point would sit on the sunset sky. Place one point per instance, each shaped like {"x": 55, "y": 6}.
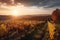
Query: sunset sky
{"x": 28, "y": 7}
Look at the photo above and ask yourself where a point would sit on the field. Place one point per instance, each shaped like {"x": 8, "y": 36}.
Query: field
{"x": 28, "y": 28}
{"x": 23, "y": 30}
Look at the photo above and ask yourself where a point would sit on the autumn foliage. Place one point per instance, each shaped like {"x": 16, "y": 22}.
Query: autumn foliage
{"x": 56, "y": 15}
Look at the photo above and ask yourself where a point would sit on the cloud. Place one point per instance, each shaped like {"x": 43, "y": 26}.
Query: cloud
{"x": 38, "y": 3}
{"x": 52, "y": 4}
{"x": 43, "y": 3}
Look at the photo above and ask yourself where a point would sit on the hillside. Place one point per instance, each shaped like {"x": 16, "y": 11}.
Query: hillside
{"x": 25, "y": 17}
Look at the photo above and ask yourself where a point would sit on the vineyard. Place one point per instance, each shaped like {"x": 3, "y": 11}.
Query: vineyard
{"x": 24, "y": 30}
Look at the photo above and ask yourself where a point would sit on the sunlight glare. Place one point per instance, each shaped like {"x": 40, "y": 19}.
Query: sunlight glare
{"x": 15, "y": 11}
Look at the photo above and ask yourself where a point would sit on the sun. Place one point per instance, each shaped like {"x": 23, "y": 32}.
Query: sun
{"x": 15, "y": 11}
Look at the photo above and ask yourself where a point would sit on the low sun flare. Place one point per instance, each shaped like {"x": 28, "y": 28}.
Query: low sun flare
{"x": 15, "y": 11}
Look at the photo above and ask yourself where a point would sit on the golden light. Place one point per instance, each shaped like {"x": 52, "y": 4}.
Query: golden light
{"x": 15, "y": 11}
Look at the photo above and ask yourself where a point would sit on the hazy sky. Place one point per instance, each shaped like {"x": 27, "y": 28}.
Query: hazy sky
{"x": 28, "y": 7}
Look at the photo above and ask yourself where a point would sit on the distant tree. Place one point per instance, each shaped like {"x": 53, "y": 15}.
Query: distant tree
{"x": 56, "y": 16}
